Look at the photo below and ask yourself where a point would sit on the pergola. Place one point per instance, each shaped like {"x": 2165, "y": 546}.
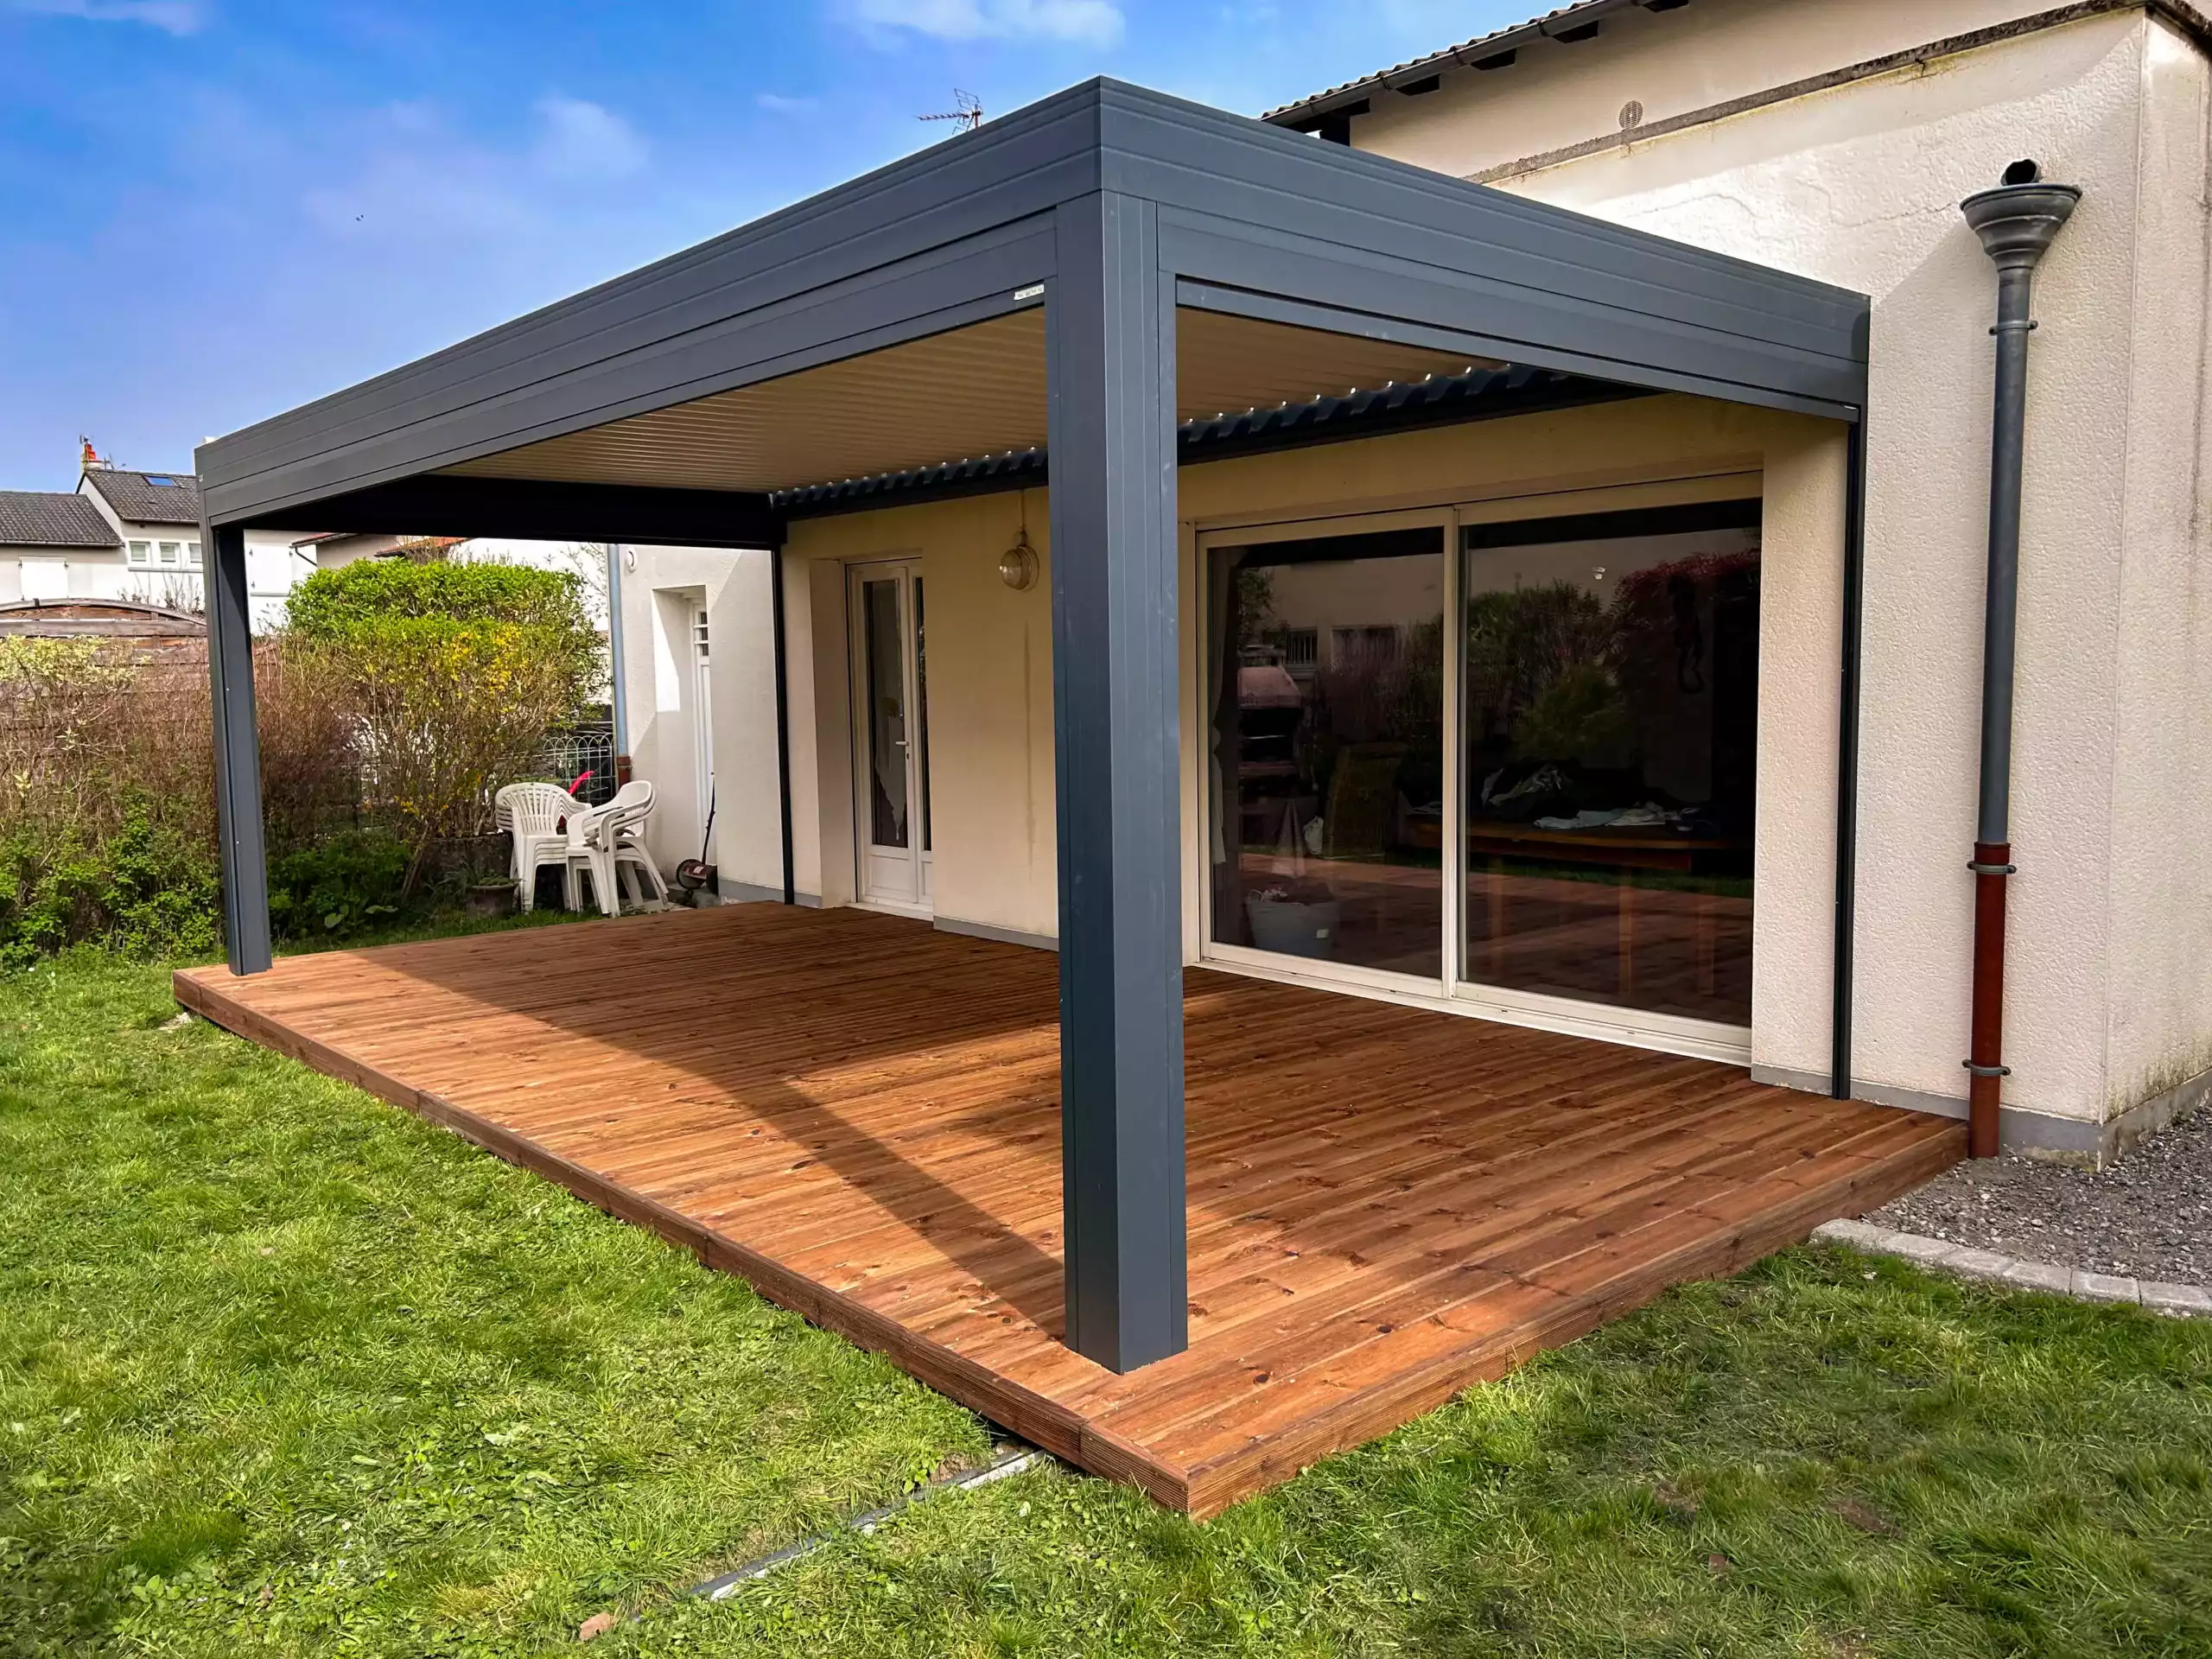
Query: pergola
{"x": 1089, "y": 274}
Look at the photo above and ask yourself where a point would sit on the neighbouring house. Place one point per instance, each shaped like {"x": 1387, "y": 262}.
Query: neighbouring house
{"x": 126, "y": 534}
{"x": 1494, "y": 560}
{"x": 335, "y": 552}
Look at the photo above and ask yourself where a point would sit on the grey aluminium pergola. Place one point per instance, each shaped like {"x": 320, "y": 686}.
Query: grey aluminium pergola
{"x": 1112, "y": 207}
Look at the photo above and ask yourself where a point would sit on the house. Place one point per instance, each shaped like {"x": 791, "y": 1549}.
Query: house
{"x": 124, "y": 534}
{"x": 1835, "y": 141}
{"x": 1462, "y": 610}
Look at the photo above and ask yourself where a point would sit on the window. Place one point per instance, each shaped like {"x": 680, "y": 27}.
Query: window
{"x": 192, "y": 553}
{"x": 160, "y": 481}
{"x": 1328, "y": 782}
{"x": 1611, "y": 726}
{"x": 1374, "y": 644}
{"x": 142, "y": 552}
{"x": 170, "y": 552}
{"x": 1574, "y": 823}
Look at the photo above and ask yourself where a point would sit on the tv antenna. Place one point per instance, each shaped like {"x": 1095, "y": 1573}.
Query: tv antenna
{"x": 967, "y": 109}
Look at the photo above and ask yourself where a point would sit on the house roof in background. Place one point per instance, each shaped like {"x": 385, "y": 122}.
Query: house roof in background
{"x": 1566, "y": 20}
{"x": 1584, "y": 20}
{"x": 53, "y": 518}
{"x": 148, "y": 498}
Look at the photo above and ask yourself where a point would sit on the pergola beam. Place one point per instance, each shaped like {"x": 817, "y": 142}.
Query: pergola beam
{"x": 531, "y": 510}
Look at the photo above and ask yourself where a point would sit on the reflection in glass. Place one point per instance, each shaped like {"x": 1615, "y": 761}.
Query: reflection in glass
{"x": 922, "y": 706}
{"x": 886, "y": 713}
{"x": 1325, "y": 666}
{"x": 1610, "y": 731}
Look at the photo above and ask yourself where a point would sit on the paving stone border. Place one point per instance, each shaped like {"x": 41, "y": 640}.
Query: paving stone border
{"x": 2177, "y": 1301}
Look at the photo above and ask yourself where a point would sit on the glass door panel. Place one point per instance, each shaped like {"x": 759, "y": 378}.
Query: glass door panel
{"x": 922, "y": 711}
{"x": 1325, "y": 660}
{"x": 1609, "y": 731}
{"x": 890, "y": 736}
{"x": 884, "y": 636}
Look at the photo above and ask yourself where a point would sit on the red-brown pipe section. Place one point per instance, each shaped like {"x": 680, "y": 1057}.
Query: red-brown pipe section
{"x": 1986, "y": 1044}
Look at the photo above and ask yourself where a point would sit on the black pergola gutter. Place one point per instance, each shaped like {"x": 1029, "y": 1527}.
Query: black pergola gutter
{"x": 1110, "y": 206}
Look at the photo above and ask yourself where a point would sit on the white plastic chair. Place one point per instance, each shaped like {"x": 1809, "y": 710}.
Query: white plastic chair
{"x": 609, "y": 844}
{"x": 531, "y": 814}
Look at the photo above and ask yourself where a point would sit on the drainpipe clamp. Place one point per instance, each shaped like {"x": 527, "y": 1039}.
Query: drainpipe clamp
{"x": 2025, "y": 327}
{"x": 1987, "y": 1071}
{"x": 1993, "y": 869}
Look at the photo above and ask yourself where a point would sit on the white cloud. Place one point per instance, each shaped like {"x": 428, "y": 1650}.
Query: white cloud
{"x": 173, "y": 17}
{"x": 580, "y": 139}
{"x": 782, "y": 104}
{"x": 1090, "y": 23}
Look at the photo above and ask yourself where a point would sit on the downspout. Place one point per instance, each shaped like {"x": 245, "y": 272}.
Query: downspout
{"x": 2017, "y": 223}
{"x": 619, "y": 705}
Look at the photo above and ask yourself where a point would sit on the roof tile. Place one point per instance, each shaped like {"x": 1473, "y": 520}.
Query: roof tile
{"x": 138, "y": 499}
{"x": 53, "y": 518}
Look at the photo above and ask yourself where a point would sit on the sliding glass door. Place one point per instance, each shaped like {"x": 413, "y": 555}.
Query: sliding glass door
{"x": 1325, "y": 680}
{"x": 1584, "y": 687}
{"x": 1610, "y": 742}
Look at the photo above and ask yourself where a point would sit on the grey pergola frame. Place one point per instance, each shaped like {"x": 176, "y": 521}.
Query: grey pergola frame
{"x": 1110, "y": 205}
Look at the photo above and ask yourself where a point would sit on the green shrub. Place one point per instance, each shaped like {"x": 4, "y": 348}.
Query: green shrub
{"x": 331, "y": 602}
{"x": 451, "y": 675}
{"x": 337, "y": 887}
{"x": 147, "y": 889}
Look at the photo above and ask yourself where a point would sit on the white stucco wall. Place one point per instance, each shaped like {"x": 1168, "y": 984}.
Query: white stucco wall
{"x": 2108, "y": 998}
{"x": 659, "y": 585}
{"x": 2158, "y": 1021}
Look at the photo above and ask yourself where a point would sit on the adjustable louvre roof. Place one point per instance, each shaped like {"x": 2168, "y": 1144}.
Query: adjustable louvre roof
{"x": 1425, "y": 272}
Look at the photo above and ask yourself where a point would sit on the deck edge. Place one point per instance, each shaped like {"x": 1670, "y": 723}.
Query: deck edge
{"x": 1221, "y": 1482}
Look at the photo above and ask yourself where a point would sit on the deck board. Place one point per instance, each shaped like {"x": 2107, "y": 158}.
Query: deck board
{"x": 860, "y": 1116}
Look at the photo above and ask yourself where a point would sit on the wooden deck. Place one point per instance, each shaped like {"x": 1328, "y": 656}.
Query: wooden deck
{"x": 861, "y": 1116}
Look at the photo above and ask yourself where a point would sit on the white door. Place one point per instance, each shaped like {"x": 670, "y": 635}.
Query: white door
{"x": 891, "y": 758}
{"x": 702, "y": 726}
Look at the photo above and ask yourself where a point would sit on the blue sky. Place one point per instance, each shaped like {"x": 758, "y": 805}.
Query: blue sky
{"x": 212, "y": 210}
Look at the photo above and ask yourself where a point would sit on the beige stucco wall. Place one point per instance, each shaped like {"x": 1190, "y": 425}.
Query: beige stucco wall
{"x": 2109, "y": 998}
{"x": 991, "y": 689}
{"x": 2158, "y": 1022}
{"x": 989, "y": 705}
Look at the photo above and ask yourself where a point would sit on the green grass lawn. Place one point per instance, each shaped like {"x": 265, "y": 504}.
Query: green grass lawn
{"x": 283, "y": 1369}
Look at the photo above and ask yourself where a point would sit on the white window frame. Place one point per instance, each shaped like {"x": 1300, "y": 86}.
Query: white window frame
{"x": 139, "y": 553}
{"x": 172, "y": 555}
{"x": 1452, "y": 992}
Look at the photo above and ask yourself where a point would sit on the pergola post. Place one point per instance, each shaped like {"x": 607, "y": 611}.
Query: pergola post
{"x": 237, "y": 752}
{"x": 1110, "y": 365}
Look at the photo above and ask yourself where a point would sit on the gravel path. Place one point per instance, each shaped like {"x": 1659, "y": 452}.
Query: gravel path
{"x": 2149, "y": 1215}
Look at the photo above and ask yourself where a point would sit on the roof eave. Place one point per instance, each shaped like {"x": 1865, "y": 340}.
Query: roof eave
{"x": 2187, "y": 16}
{"x": 1309, "y": 111}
